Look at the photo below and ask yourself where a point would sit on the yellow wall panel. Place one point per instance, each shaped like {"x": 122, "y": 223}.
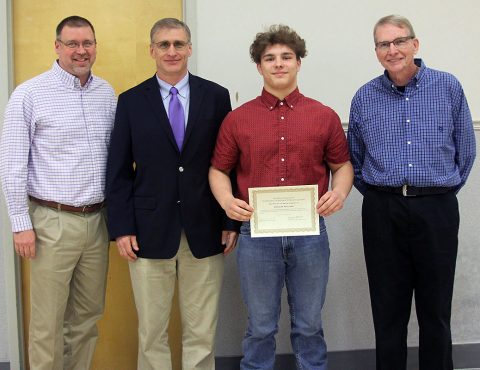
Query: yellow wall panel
{"x": 122, "y": 29}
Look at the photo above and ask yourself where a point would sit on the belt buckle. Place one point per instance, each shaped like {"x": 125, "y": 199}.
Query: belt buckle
{"x": 405, "y": 191}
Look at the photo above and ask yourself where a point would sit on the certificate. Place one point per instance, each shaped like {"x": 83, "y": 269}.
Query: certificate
{"x": 284, "y": 211}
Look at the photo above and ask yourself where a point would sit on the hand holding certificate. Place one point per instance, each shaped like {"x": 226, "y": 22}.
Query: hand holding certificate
{"x": 284, "y": 211}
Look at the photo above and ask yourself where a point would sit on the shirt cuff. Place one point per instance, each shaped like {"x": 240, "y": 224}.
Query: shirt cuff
{"x": 21, "y": 223}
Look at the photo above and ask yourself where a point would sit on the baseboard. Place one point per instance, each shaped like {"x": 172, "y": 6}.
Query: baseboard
{"x": 464, "y": 356}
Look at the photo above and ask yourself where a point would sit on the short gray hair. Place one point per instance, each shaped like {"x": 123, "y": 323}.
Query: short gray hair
{"x": 396, "y": 20}
{"x": 170, "y": 23}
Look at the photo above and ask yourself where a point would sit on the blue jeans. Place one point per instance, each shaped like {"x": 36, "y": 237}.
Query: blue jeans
{"x": 265, "y": 264}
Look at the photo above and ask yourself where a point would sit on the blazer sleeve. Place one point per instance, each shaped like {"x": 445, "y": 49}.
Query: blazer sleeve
{"x": 120, "y": 175}
{"x": 226, "y": 107}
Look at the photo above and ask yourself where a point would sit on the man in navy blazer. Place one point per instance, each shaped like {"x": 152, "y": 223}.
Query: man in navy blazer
{"x": 161, "y": 211}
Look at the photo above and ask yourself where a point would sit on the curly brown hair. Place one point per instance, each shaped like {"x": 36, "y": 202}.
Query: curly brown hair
{"x": 277, "y": 34}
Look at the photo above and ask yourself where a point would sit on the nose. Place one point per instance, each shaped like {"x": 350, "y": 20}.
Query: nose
{"x": 392, "y": 48}
{"x": 278, "y": 62}
{"x": 171, "y": 49}
{"x": 80, "y": 49}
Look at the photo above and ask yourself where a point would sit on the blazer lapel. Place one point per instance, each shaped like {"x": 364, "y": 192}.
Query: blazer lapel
{"x": 152, "y": 93}
{"x": 196, "y": 97}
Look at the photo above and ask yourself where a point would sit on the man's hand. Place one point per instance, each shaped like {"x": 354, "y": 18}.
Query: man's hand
{"x": 229, "y": 239}
{"x": 126, "y": 245}
{"x": 220, "y": 183}
{"x": 238, "y": 209}
{"x": 24, "y": 242}
{"x": 330, "y": 203}
{"x": 342, "y": 180}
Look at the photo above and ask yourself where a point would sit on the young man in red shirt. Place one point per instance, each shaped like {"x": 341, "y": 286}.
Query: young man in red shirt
{"x": 282, "y": 138}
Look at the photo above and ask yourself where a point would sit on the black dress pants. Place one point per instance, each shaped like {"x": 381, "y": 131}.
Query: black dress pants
{"x": 410, "y": 248}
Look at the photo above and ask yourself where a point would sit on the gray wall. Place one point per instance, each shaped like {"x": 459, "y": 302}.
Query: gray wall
{"x": 3, "y": 313}
{"x": 341, "y": 58}
{"x": 10, "y": 305}
{"x": 4, "y": 224}
{"x": 339, "y": 39}
{"x": 347, "y": 317}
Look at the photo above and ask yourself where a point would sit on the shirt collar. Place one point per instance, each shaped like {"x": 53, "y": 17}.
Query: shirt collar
{"x": 415, "y": 80}
{"x": 272, "y": 101}
{"x": 181, "y": 86}
{"x": 68, "y": 79}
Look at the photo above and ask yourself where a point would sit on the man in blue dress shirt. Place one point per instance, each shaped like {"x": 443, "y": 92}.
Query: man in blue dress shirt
{"x": 412, "y": 148}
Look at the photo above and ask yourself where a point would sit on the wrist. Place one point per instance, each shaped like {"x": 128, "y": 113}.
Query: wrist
{"x": 226, "y": 201}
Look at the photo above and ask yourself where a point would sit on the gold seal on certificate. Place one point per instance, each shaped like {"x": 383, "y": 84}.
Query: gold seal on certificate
{"x": 284, "y": 211}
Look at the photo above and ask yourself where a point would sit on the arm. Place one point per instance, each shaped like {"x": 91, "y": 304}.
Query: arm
{"x": 14, "y": 154}
{"x": 356, "y": 146}
{"x": 221, "y": 186}
{"x": 229, "y": 240}
{"x": 342, "y": 180}
{"x": 463, "y": 135}
{"x": 127, "y": 246}
{"x": 119, "y": 186}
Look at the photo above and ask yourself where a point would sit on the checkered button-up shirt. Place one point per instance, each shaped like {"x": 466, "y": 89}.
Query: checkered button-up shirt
{"x": 422, "y": 136}
{"x": 54, "y": 142}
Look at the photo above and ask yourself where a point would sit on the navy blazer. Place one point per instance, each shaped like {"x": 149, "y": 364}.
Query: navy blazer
{"x": 153, "y": 191}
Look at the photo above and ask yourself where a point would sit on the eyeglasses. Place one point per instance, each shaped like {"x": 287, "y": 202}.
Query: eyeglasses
{"x": 400, "y": 43}
{"x": 165, "y": 45}
{"x": 88, "y": 44}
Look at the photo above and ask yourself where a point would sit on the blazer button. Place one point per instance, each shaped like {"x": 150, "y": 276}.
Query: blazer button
{"x": 178, "y": 202}
{"x": 180, "y": 169}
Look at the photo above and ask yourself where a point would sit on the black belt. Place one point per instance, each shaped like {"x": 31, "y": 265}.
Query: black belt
{"x": 411, "y": 191}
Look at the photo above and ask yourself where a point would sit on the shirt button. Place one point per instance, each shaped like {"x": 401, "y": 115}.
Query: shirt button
{"x": 410, "y": 165}
{"x": 281, "y": 103}
{"x": 282, "y": 117}
{"x": 271, "y": 108}
{"x": 180, "y": 169}
{"x": 282, "y": 138}
{"x": 408, "y": 121}
{"x": 291, "y": 106}
{"x": 409, "y": 142}
{"x": 283, "y": 159}
{"x": 406, "y": 99}
{"x": 282, "y": 179}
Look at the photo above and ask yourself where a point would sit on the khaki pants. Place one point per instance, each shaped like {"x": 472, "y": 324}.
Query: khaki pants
{"x": 67, "y": 279}
{"x": 199, "y": 285}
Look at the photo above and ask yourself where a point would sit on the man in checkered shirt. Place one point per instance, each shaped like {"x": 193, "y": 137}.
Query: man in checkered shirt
{"x": 412, "y": 146}
{"x": 53, "y": 155}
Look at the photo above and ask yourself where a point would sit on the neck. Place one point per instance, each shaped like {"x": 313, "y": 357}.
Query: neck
{"x": 280, "y": 94}
{"x": 171, "y": 79}
{"x": 83, "y": 80}
{"x": 402, "y": 79}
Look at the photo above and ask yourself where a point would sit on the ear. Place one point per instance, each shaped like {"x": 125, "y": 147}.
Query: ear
{"x": 152, "y": 51}
{"x": 299, "y": 64}
{"x": 259, "y": 68}
{"x": 57, "y": 46}
{"x": 416, "y": 45}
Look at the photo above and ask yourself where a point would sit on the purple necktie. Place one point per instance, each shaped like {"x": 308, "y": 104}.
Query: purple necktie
{"x": 177, "y": 117}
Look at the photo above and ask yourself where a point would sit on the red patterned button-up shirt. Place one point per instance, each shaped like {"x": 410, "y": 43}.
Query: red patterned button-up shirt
{"x": 278, "y": 143}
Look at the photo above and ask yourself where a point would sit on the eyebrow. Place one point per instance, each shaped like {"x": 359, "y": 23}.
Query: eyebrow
{"x": 173, "y": 41}
{"x": 288, "y": 53}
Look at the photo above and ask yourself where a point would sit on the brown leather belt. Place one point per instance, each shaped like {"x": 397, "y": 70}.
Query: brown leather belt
{"x": 65, "y": 207}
